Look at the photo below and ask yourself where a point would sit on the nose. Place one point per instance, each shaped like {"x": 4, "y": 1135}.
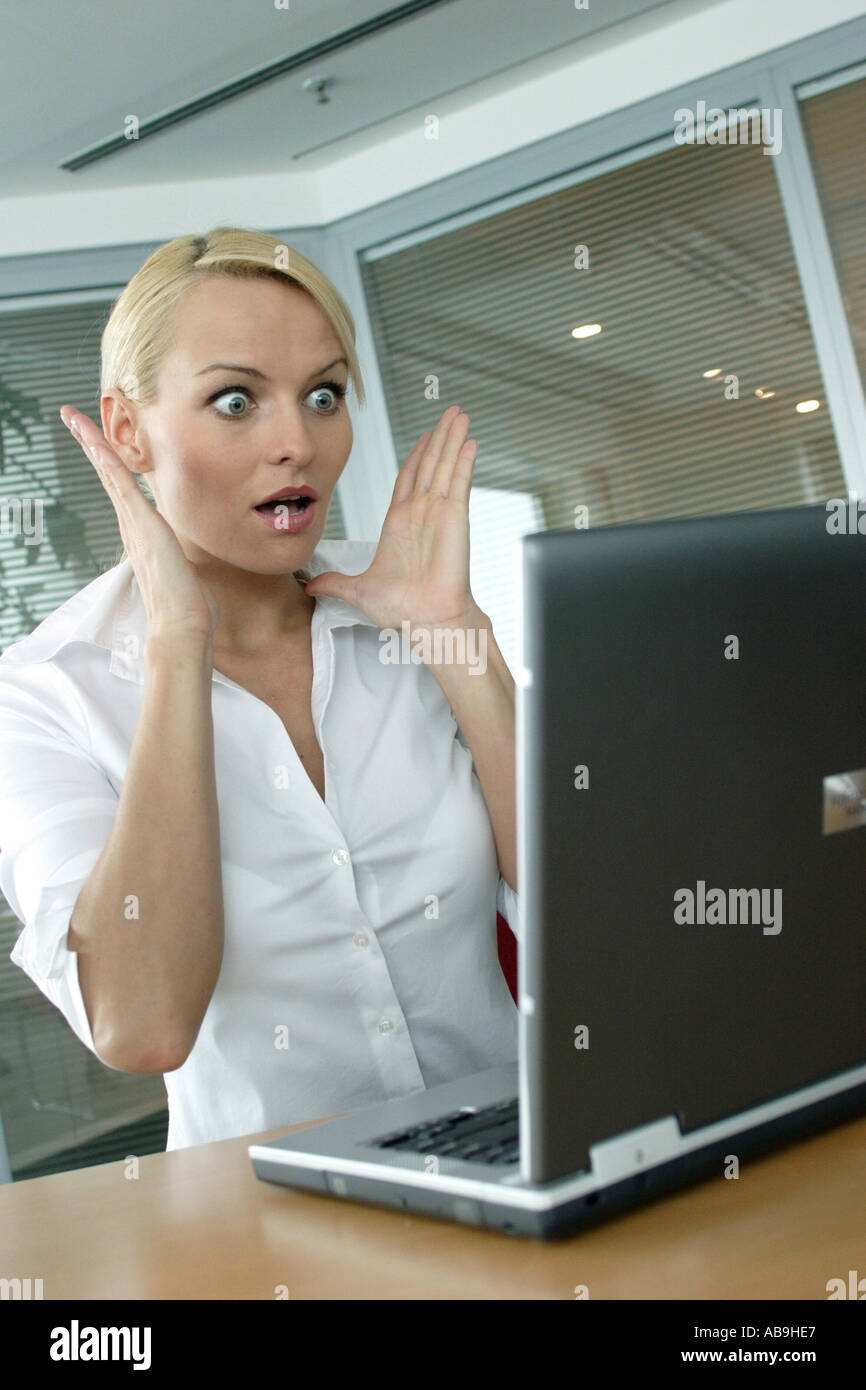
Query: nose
{"x": 291, "y": 440}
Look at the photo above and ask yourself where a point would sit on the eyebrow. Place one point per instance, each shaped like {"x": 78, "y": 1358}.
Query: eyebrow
{"x": 254, "y": 371}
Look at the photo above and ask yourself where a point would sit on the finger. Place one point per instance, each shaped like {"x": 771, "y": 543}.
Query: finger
{"x": 437, "y": 478}
{"x": 115, "y": 478}
{"x": 91, "y": 439}
{"x": 405, "y": 484}
{"x": 461, "y": 479}
{"x": 430, "y": 458}
{"x": 112, "y": 471}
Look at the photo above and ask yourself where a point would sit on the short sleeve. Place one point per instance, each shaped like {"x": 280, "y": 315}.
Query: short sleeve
{"x": 57, "y": 810}
{"x": 508, "y": 903}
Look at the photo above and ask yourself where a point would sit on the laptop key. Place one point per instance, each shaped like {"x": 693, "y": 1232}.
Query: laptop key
{"x": 466, "y": 1150}
{"x": 467, "y": 1132}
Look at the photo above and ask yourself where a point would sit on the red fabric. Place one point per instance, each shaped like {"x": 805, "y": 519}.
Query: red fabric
{"x": 507, "y": 944}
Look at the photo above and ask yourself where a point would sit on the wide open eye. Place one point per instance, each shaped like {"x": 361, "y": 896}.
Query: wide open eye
{"x": 233, "y": 394}
{"x": 329, "y": 388}
{"x": 331, "y": 392}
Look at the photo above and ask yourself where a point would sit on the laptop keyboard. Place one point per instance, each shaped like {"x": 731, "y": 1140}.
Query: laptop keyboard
{"x": 490, "y": 1135}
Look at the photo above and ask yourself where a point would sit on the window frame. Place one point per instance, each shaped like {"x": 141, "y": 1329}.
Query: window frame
{"x": 583, "y": 152}
{"x": 587, "y": 151}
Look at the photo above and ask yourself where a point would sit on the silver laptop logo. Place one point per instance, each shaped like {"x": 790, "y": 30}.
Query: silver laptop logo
{"x": 844, "y": 801}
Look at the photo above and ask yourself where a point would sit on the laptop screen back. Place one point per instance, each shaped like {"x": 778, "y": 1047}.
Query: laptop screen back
{"x": 695, "y": 941}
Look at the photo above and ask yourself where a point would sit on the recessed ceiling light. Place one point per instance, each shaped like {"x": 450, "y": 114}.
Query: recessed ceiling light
{"x": 586, "y": 330}
{"x": 803, "y": 407}
{"x": 714, "y": 371}
{"x": 764, "y": 393}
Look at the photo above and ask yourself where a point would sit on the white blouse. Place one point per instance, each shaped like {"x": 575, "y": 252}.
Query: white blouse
{"x": 360, "y": 959}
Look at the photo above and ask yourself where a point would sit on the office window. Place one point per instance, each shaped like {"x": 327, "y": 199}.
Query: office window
{"x": 834, "y": 122}
{"x": 688, "y": 270}
{"x": 59, "y": 1106}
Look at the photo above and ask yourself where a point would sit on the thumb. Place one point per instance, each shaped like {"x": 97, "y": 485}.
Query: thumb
{"x": 333, "y": 585}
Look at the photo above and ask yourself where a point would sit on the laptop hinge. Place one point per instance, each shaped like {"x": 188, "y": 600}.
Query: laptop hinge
{"x": 640, "y": 1148}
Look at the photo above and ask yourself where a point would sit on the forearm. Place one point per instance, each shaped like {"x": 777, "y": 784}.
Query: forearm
{"x": 148, "y": 924}
{"x": 483, "y": 703}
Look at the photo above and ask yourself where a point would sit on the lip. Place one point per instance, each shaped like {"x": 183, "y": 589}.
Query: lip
{"x": 289, "y": 492}
{"x": 292, "y": 522}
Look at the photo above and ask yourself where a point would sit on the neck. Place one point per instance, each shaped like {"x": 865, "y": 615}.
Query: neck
{"x": 258, "y": 613}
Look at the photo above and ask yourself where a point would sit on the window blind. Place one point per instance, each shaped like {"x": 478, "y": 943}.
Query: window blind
{"x": 834, "y": 123}
{"x": 683, "y": 259}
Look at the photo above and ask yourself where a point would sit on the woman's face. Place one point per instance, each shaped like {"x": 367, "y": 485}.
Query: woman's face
{"x": 220, "y": 439}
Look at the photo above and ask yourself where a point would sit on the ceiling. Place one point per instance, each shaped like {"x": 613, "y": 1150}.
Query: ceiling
{"x": 76, "y": 76}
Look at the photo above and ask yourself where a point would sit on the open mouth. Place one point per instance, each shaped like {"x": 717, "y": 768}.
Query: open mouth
{"x": 291, "y": 504}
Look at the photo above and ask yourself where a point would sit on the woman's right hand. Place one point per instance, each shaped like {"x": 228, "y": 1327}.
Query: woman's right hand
{"x": 177, "y": 602}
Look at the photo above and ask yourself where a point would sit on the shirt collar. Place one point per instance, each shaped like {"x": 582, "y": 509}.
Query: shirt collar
{"x": 109, "y": 612}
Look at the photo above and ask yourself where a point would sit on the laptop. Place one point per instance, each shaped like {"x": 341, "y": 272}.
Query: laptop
{"x": 691, "y": 782}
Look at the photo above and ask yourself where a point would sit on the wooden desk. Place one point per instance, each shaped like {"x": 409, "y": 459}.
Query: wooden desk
{"x": 197, "y": 1223}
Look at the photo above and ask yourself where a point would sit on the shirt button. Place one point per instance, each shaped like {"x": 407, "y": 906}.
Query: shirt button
{"x": 386, "y": 1026}
{"x": 340, "y": 856}
{"x": 360, "y": 939}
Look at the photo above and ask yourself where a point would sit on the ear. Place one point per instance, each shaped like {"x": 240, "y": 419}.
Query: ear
{"x": 121, "y": 425}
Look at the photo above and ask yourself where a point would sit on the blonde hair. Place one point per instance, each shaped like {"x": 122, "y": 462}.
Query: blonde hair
{"x": 140, "y": 326}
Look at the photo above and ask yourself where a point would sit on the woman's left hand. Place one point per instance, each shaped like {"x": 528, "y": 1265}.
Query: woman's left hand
{"x": 420, "y": 571}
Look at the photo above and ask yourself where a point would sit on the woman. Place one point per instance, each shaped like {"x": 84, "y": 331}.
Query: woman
{"x": 249, "y": 853}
